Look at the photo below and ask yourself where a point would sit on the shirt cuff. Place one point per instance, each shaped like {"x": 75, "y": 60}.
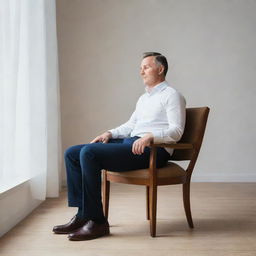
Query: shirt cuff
{"x": 114, "y": 133}
{"x": 158, "y": 138}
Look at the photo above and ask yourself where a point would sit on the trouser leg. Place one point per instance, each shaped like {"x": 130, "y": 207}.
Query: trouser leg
{"x": 74, "y": 176}
{"x": 114, "y": 157}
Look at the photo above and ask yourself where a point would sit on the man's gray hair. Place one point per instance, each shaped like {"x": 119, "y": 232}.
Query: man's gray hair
{"x": 159, "y": 58}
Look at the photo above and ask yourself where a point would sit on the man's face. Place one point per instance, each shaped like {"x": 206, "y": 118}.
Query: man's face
{"x": 150, "y": 71}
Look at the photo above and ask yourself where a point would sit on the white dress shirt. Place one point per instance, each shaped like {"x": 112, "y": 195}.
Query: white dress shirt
{"x": 161, "y": 111}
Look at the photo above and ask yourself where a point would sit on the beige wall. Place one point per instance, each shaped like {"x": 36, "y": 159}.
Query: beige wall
{"x": 210, "y": 46}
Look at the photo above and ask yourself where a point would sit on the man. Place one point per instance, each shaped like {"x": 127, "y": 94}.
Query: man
{"x": 159, "y": 117}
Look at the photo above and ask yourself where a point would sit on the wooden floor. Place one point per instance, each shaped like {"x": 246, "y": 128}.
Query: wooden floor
{"x": 224, "y": 217}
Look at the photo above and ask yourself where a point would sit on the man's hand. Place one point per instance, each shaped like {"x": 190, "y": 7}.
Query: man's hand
{"x": 104, "y": 137}
{"x": 140, "y": 144}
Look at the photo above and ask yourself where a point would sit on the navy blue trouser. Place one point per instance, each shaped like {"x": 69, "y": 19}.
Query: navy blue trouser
{"x": 85, "y": 162}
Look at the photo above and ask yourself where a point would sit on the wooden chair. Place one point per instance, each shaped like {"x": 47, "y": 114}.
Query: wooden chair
{"x": 186, "y": 149}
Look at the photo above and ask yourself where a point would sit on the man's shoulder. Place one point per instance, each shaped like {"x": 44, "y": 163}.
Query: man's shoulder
{"x": 169, "y": 91}
{"x": 171, "y": 95}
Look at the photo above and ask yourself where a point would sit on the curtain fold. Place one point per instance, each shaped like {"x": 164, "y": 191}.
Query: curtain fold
{"x": 29, "y": 96}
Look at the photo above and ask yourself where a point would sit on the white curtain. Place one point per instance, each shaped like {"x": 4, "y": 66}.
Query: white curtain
{"x": 29, "y": 96}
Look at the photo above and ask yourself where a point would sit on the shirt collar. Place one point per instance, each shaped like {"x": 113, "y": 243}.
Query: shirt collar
{"x": 157, "y": 88}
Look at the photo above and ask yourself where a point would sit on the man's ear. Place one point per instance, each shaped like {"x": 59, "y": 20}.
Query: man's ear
{"x": 161, "y": 70}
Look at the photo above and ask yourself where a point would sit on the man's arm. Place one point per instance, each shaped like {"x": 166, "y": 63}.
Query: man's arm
{"x": 175, "y": 108}
{"x": 125, "y": 129}
{"x": 121, "y": 131}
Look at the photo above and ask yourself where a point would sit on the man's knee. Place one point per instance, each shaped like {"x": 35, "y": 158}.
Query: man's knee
{"x": 70, "y": 152}
{"x": 88, "y": 151}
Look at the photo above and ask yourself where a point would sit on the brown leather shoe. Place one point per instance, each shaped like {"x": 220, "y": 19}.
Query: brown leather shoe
{"x": 90, "y": 230}
{"x": 71, "y": 226}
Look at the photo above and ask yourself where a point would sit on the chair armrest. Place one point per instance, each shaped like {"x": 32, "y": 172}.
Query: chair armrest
{"x": 174, "y": 146}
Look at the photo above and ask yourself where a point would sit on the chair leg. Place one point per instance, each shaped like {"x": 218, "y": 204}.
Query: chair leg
{"x": 186, "y": 202}
{"x": 152, "y": 210}
{"x": 147, "y": 203}
{"x": 105, "y": 191}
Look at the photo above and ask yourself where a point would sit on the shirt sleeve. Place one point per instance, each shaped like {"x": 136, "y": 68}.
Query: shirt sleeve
{"x": 125, "y": 129}
{"x": 175, "y": 107}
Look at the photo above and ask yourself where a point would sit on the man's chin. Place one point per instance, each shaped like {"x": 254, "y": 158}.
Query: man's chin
{"x": 145, "y": 81}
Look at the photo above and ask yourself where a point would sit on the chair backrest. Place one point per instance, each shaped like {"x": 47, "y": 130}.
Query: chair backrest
{"x": 196, "y": 119}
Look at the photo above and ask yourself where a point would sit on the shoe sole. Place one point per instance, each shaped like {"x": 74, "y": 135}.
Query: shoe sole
{"x": 88, "y": 238}
{"x": 61, "y": 233}
{"x": 64, "y": 232}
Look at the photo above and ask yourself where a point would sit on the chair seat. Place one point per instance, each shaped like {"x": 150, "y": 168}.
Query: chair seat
{"x": 169, "y": 172}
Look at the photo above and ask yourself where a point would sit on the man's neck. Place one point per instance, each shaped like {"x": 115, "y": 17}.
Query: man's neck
{"x": 155, "y": 84}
